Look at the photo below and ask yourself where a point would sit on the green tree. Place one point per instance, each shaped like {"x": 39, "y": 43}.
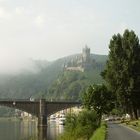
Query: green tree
{"x": 99, "y": 99}
{"x": 122, "y": 71}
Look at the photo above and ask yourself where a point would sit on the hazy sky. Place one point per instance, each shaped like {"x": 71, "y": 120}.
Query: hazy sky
{"x": 50, "y": 29}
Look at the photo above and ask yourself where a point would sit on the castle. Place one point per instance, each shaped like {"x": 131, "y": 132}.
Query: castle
{"x": 82, "y": 62}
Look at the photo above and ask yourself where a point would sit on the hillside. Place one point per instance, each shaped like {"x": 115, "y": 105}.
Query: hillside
{"x": 26, "y": 85}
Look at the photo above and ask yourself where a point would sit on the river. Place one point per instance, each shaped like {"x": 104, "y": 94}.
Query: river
{"x": 26, "y": 130}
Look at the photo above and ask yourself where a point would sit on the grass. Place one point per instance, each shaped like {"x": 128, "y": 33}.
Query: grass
{"x": 100, "y": 133}
{"x": 134, "y": 124}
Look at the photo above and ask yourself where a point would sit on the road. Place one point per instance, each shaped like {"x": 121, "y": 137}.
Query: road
{"x": 119, "y": 132}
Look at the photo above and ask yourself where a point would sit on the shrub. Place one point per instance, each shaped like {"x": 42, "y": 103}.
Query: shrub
{"x": 80, "y": 126}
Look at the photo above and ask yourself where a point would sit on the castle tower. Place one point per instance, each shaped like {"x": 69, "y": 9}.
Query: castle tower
{"x": 86, "y": 54}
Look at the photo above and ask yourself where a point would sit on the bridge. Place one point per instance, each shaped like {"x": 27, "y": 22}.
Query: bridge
{"x": 39, "y": 108}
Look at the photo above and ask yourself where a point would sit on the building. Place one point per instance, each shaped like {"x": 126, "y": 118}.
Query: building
{"x": 82, "y": 62}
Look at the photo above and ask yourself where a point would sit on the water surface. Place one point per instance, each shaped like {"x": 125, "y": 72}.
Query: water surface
{"x": 25, "y": 130}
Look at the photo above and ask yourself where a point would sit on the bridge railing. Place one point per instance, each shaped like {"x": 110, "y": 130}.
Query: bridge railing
{"x": 14, "y": 99}
{"x": 33, "y": 99}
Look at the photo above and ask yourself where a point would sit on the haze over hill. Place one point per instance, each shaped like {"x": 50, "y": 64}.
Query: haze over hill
{"x": 14, "y": 65}
{"x": 45, "y": 75}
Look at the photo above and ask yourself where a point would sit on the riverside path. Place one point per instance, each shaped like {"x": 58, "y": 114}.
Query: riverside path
{"x": 119, "y": 132}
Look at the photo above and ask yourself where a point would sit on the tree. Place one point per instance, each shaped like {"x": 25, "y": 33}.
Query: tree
{"x": 99, "y": 99}
{"x": 122, "y": 72}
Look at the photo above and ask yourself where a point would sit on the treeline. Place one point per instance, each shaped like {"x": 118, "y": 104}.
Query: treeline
{"x": 122, "y": 72}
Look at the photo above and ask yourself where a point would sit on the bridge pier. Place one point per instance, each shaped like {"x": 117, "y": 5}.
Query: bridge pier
{"x": 42, "y": 118}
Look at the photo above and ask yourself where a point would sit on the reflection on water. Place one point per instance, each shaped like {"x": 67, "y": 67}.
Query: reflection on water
{"x": 54, "y": 130}
{"x": 42, "y": 133}
{"x": 25, "y": 130}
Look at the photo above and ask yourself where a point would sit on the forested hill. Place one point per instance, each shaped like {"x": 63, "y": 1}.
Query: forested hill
{"x": 50, "y": 80}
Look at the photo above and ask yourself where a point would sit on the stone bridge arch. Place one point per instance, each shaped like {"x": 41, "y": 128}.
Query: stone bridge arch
{"x": 54, "y": 107}
{"x": 39, "y": 108}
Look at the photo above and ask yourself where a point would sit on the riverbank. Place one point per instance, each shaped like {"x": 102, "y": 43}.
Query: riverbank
{"x": 100, "y": 133}
{"x": 85, "y": 125}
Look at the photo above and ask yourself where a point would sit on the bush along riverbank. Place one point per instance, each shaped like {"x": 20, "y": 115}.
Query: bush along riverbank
{"x": 80, "y": 126}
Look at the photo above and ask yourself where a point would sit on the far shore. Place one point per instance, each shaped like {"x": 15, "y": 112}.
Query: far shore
{"x": 16, "y": 119}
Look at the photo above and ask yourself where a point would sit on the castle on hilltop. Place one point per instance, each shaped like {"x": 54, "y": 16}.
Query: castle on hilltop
{"x": 82, "y": 62}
